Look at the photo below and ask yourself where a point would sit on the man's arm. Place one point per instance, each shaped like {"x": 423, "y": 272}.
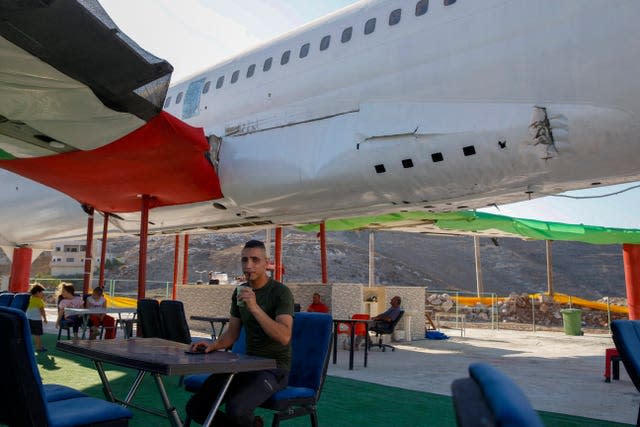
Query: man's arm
{"x": 386, "y": 316}
{"x": 225, "y": 340}
{"x": 278, "y": 329}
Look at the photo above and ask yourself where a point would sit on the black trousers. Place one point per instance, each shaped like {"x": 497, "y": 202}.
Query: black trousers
{"x": 245, "y": 393}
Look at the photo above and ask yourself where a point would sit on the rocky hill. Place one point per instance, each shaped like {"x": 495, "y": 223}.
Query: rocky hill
{"x": 440, "y": 263}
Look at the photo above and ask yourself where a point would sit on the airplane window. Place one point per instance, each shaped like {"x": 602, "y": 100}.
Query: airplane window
{"x": 304, "y": 50}
{"x": 234, "y": 76}
{"x": 285, "y": 57}
{"x": 370, "y": 26}
{"x": 267, "y": 64}
{"x": 422, "y": 7}
{"x": 179, "y": 98}
{"x": 437, "y": 157}
{"x": 220, "y": 82}
{"x": 346, "y": 34}
{"x": 407, "y": 163}
{"x": 469, "y": 150}
{"x": 251, "y": 70}
{"x": 394, "y": 17}
{"x": 167, "y": 102}
{"x": 380, "y": 168}
{"x": 206, "y": 87}
{"x": 449, "y": 2}
{"x": 324, "y": 43}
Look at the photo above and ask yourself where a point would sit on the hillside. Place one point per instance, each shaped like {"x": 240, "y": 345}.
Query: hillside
{"x": 442, "y": 263}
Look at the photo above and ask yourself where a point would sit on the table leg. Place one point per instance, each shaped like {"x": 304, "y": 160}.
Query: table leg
{"x": 213, "y": 330}
{"x": 353, "y": 344}
{"x": 222, "y": 324}
{"x": 172, "y": 414}
{"x": 134, "y": 387}
{"x": 85, "y": 324}
{"x": 106, "y": 386}
{"x": 217, "y": 403}
{"x": 366, "y": 343}
{"x": 335, "y": 343}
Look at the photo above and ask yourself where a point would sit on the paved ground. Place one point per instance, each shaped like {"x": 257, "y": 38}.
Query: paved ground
{"x": 559, "y": 373}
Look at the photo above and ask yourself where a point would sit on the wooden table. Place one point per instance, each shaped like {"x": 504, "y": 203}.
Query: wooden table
{"x": 160, "y": 357}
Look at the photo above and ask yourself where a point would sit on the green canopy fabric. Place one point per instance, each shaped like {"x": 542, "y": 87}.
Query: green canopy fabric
{"x": 470, "y": 222}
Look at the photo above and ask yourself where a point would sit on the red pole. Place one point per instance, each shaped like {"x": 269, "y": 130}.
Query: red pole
{"x": 323, "y": 252}
{"x": 631, "y": 256}
{"x": 185, "y": 265}
{"x": 103, "y": 249}
{"x": 175, "y": 266}
{"x": 142, "y": 257}
{"x": 20, "y": 269}
{"x": 88, "y": 253}
{"x": 278, "y": 260}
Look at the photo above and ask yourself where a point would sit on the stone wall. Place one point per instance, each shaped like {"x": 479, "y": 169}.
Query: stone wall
{"x": 343, "y": 299}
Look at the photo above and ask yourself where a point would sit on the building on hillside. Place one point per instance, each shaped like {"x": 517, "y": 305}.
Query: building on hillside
{"x": 67, "y": 257}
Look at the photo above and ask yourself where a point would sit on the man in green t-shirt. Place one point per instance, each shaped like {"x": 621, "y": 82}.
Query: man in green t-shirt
{"x": 265, "y": 308}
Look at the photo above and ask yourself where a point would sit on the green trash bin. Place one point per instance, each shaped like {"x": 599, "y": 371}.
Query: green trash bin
{"x": 572, "y": 321}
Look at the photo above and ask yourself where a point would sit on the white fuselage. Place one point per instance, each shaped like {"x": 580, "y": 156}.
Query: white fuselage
{"x": 467, "y": 105}
{"x": 302, "y": 140}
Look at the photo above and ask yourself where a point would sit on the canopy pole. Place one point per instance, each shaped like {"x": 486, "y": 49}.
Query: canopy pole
{"x": 631, "y": 256}
{"x": 323, "y": 252}
{"x": 103, "y": 249}
{"x": 185, "y": 261}
{"x": 142, "y": 257}
{"x": 549, "y": 268}
{"x": 20, "y": 270}
{"x": 278, "y": 257}
{"x": 88, "y": 252}
{"x": 176, "y": 256}
{"x": 476, "y": 253}
{"x": 372, "y": 259}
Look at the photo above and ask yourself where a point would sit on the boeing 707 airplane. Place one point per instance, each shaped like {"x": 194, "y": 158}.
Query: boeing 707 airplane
{"x": 381, "y": 107}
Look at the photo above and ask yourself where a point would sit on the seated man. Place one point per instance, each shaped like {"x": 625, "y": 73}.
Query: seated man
{"x": 317, "y": 306}
{"x": 265, "y": 308}
{"x": 386, "y": 319}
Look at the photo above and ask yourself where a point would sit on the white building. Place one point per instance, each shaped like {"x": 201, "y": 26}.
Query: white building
{"x": 67, "y": 257}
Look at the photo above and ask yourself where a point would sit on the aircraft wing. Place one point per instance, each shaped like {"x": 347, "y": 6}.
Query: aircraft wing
{"x": 80, "y": 111}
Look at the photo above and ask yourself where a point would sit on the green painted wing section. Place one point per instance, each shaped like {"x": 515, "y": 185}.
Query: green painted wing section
{"x": 6, "y": 156}
{"x": 469, "y": 222}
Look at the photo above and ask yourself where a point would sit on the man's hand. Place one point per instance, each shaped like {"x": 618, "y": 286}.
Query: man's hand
{"x": 202, "y": 347}
{"x": 249, "y": 297}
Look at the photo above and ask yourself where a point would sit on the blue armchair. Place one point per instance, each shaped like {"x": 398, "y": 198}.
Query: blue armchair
{"x": 626, "y": 336}
{"x": 490, "y": 398}
{"x": 311, "y": 345}
{"x": 21, "y": 301}
{"x": 6, "y": 298}
{"x": 26, "y": 402}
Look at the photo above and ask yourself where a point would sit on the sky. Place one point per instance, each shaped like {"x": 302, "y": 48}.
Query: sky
{"x": 197, "y": 34}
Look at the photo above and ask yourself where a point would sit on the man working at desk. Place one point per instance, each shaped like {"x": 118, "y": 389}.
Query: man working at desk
{"x": 265, "y": 308}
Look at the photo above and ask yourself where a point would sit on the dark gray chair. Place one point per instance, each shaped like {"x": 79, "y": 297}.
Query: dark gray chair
{"x": 490, "y": 398}
{"x": 149, "y": 318}
{"x": 24, "y": 400}
{"x": 384, "y": 328}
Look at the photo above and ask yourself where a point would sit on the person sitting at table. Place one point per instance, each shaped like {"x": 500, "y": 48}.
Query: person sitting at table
{"x": 69, "y": 299}
{"x": 317, "y": 306}
{"x": 384, "y": 320}
{"x": 95, "y": 300}
{"x": 264, "y": 308}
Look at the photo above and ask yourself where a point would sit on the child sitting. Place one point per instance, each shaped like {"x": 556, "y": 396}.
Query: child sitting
{"x": 95, "y": 300}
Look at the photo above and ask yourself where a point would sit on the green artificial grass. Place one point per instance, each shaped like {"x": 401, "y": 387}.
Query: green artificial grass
{"x": 343, "y": 402}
